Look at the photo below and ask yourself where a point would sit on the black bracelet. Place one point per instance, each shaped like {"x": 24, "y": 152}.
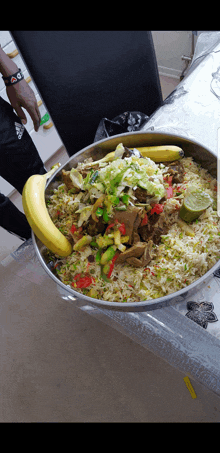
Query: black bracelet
{"x": 13, "y": 78}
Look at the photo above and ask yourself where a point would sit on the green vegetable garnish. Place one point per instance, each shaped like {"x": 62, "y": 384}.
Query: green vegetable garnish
{"x": 125, "y": 199}
{"x": 105, "y": 215}
{"x": 85, "y": 240}
{"x": 98, "y": 256}
{"x": 99, "y": 212}
{"x": 108, "y": 254}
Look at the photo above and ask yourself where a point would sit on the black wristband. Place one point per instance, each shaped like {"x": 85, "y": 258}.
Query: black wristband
{"x": 13, "y": 78}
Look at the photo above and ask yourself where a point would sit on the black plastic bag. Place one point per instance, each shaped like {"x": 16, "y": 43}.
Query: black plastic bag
{"x": 126, "y": 122}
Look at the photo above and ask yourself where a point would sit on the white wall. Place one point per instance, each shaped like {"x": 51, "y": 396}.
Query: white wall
{"x": 169, "y": 48}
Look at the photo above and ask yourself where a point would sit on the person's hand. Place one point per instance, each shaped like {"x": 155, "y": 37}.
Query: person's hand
{"x": 21, "y": 95}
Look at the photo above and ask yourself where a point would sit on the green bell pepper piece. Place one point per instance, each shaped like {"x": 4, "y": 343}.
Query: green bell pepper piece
{"x": 108, "y": 254}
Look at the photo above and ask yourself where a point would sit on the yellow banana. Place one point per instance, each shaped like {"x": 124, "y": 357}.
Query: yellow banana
{"x": 165, "y": 153}
{"x": 35, "y": 209}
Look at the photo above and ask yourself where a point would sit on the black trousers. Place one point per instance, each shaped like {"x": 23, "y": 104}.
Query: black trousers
{"x": 19, "y": 159}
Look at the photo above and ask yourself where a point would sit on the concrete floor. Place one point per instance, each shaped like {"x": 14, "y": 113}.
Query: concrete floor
{"x": 59, "y": 364}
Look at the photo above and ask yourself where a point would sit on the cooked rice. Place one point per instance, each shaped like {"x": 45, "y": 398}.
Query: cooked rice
{"x": 179, "y": 259}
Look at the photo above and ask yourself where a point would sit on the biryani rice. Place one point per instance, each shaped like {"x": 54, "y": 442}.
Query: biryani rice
{"x": 179, "y": 259}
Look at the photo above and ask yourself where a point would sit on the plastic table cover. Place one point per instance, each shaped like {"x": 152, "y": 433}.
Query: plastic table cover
{"x": 187, "y": 335}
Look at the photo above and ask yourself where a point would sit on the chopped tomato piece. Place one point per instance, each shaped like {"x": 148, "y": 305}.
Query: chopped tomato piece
{"x": 158, "y": 208}
{"x": 145, "y": 220}
{"x": 122, "y": 229}
{"x": 170, "y": 180}
{"x": 169, "y": 192}
{"x": 73, "y": 229}
{"x": 82, "y": 282}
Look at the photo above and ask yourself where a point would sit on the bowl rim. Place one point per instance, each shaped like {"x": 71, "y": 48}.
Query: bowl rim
{"x": 144, "y": 305}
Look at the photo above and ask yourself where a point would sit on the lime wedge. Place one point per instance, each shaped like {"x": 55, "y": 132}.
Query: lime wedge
{"x": 194, "y": 204}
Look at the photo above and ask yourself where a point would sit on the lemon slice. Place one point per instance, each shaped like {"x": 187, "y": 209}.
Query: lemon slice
{"x": 194, "y": 204}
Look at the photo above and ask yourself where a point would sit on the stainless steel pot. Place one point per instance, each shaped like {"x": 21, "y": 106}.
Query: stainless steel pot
{"x": 98, "y": 150}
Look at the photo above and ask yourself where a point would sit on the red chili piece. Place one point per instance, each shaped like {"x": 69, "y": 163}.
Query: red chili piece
{"x": 110, "y": 226}
{"x": 112, "y": 265}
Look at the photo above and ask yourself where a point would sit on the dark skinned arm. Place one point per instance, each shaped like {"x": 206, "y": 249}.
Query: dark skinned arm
{"x": 20, "y": 95}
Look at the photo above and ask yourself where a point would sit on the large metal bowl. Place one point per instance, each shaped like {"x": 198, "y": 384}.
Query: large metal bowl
{"x": 98, "y": 150}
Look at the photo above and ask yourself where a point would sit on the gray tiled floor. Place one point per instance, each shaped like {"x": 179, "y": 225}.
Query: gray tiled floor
{"x": 59, "y": 364}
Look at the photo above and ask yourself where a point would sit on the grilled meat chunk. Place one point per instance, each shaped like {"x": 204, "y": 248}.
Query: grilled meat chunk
{"x": 138, "y": 255}
{"x": 145, "y": 258}
{"x": 141, "y": 194}
{"x": 136, "y": 251}
{"x": 131, "y": 218}
{"x": 93, "y": 228}
{"x": 176, "y": 169}
{"x": 157, "y": 225}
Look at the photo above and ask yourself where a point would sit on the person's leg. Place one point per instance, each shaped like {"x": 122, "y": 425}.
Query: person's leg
{"x": 13, "y": 220}
{"x": 19, "y": 159}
